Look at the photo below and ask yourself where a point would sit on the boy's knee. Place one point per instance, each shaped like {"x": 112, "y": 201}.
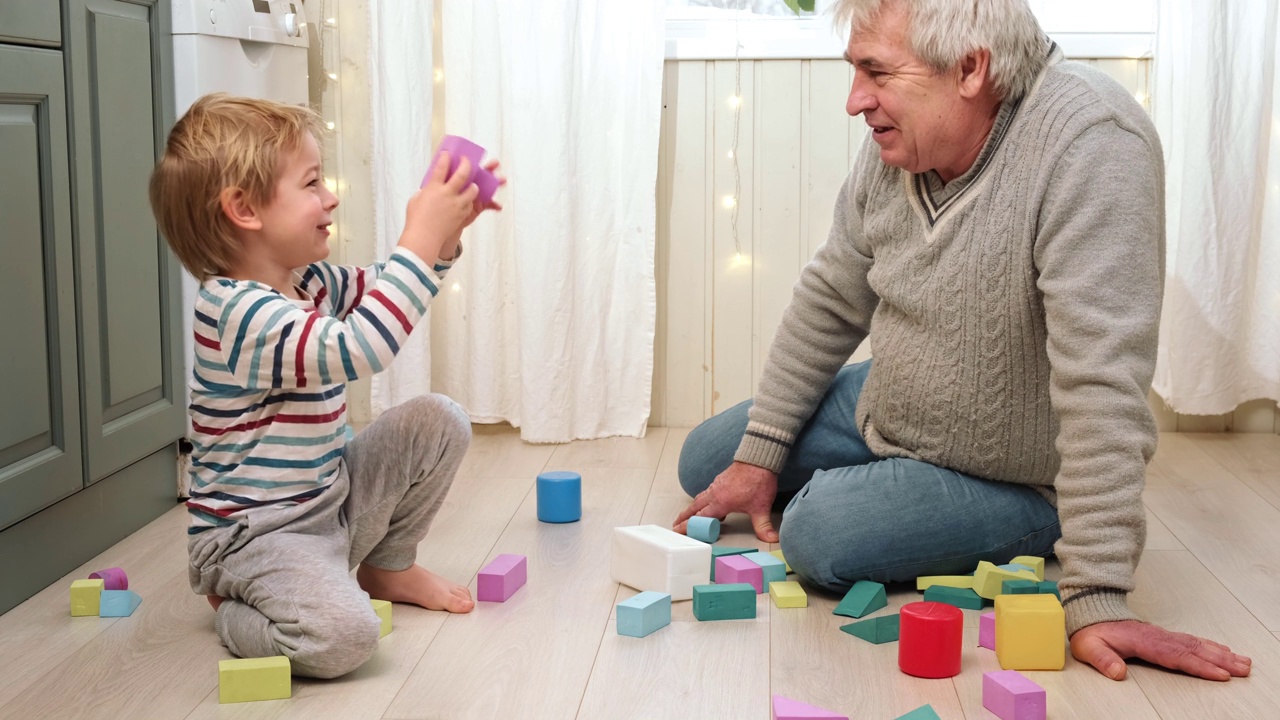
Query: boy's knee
{"x": 337, "y": 645}
{"x": 444, "y": 414}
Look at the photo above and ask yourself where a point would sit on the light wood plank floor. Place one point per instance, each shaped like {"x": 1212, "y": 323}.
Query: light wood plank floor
{"x": 1212, "y": 567}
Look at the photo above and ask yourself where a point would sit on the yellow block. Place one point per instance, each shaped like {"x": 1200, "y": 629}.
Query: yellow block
{"x": 788, "y": 594}
{"x": 383, "y": 608}
{"x": 1031, "y": 632}
{"x": 85, "y": 597}
{"x": 988, "y": 580}
{"x": 955, "y": 581}
{"x": 251, "y": 679}
{"x": 1035, "y": 563}
{"x": 778, "y": 554}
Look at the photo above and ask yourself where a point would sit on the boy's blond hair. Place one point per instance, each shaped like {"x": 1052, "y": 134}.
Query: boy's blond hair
{"x": 221, "y": 142}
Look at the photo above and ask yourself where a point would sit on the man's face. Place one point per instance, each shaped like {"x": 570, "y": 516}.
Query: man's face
{"x": 906, "y": 103}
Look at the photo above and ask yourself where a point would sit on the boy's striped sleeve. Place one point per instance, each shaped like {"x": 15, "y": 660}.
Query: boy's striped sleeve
{"x": 267, "y": 341}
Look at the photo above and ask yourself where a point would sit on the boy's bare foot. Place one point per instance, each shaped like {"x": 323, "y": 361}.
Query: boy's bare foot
{"x": 416, "y": 585}
{"x": 215, "y": 601}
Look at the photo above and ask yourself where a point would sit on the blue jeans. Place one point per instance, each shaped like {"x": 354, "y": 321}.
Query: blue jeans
{"x": 855, "y": 516}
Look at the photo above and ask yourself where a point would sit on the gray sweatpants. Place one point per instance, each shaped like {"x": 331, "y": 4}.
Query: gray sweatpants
{"x": 286, "y": 573}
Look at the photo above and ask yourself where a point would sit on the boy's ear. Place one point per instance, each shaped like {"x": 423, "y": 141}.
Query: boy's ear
{"x": 236, "y": 206}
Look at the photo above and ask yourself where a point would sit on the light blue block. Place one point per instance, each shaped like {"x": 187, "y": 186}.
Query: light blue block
{"x": 644, "y": 613}
{"x": 118, "y": 603}
{"x": 774, "y": 569}
{"x": 705, "y": 529}
{"x": 1014, "y": 567}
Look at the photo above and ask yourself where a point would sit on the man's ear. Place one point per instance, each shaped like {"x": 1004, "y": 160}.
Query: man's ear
{"x": 974, "y": 69}
{"x": 236, "y": 206}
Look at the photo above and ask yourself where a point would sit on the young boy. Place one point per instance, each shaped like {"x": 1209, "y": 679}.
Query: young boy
{"x": 282, "y": 507}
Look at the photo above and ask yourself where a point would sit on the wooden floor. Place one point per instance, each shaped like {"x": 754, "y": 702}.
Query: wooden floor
{"x": 1212, "y": 567}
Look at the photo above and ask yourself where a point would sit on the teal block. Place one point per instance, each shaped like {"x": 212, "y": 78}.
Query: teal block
{"x": 774, "y": 569}
{"x": 118, "y": 603}
{"x": 1014, "y": 567}
{"x": 876, "y": 630}
{"x": 921, "y": 713}
{"x": 717, "y": 551}
{"x": 644, "y": 613}
{"x": 732, "y": 601}
{"x": 959, "y": 597}
{"x": 864, "y": 597}
{"x": 1048, "y": 587}
{"x": 1020, "y": 587}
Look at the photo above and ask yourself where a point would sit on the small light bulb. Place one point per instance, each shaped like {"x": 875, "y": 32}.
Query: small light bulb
{"x": 457, "y": 287}
{"x": 331, "y": 21}
{"x": 1141, "y": 97}
{"x": 333, "y": 76}
{"x": 734, "y": 101}
{"x": 331, "y": 184}
{"x": 439, "y": 75}
{"x": 730, "y": 154}
{"x": 730, "y": 201}
{"x": 330, "y": 125}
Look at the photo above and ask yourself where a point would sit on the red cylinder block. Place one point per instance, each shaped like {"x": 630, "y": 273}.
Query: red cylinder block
{"x": 929, "y": 639}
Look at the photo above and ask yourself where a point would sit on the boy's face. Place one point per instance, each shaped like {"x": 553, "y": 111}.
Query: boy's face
{"x": 295, "y": 224}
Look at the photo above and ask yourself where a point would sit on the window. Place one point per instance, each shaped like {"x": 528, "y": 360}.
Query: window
{"x": 762, "y": 29}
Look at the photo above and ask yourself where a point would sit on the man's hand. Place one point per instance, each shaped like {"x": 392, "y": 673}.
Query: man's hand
{"x": 742, "y": 488}
{"x": 1107, "y": 645}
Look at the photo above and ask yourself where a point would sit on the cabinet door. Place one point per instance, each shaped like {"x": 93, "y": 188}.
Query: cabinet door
{"x": 129, "y": 283}
{"x": 40, "y": 454}
{"x": 30, "y": 22}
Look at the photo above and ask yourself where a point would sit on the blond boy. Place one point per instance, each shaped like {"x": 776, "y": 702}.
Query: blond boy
{"x": 282, "y": 506}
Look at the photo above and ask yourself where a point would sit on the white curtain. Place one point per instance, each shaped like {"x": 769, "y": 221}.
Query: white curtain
{"x": 1218, "y": 111}
{"x": 547, "y": 322}
{"x": 401, "y": 77}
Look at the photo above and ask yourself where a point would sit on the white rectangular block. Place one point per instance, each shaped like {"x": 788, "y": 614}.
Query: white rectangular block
{"x": 649, "y": 557}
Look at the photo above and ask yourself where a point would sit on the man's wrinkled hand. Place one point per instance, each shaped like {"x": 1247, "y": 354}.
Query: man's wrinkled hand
{"x": 1106, "y": 646}
{"x": 742, "y": 488}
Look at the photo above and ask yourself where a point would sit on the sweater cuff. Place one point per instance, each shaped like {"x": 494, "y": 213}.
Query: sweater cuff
{"x": 765, "y": 447}
{"x": 1090, "y": 606}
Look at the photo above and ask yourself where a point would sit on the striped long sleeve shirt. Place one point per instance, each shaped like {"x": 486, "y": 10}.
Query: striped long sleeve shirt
{"x": 268, "y": 399}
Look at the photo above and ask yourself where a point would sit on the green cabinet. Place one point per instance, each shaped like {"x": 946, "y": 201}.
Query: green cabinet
{"x": 91, "y": 401}
{"x": 40, "y": 441}
{"x": 129, "y": 287}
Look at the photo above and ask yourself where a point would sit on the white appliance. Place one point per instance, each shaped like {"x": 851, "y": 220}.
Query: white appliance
{"x": 254, "y": 48}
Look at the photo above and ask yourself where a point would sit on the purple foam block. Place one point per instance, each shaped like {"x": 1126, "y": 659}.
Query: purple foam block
{"x": 788, "y": 709}
{"x": 1011, "y": 696}
{"x": 112, "y": 578}
{"x": 737, "y": 569}
{"x": 987, "y": 630}
{"x": 458, "y": 148}
{"x": 501, "y": 578}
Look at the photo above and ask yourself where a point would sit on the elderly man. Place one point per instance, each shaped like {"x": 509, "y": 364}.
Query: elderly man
{"x": 1001, "y": 237}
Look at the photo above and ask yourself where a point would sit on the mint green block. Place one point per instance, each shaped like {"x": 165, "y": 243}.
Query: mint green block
{"x": 644, "y": 613}
{"x": 733, "y": 601}
{"x": 1020, "y": 587}
{"x": 864, "y": 597}
{"x": 878, "y": 630}
{"x": 921, "y": 713}
{"x": 717, "y": 552}
{"x": 1048, "y": 587}
{"x": 774, "y": 569}
{"x": 118, "y": 603}
{"x": 959, "y": 597}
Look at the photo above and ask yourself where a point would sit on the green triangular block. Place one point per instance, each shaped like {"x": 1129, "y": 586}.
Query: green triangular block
{"x": 921, "y": 713}
{"x": 864, "y": 597}
{"x": 876, "y": 630}
{"x": 1019, "y": 587}
{"x": 958, "y": 597}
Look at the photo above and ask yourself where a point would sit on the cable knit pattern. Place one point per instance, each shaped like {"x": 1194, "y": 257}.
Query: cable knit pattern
{"x": 1014, "y": 316}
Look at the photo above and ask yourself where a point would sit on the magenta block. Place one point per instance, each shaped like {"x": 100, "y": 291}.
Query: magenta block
{"x": 501, "y": 578}
{"x": 737, "y": 569}
{"x": 1011, "y": 696}
{"x": 987, "y": 630}
{"x": 112, "y": 579}
{"x": 458, "y": 148}
{"x": 788, "y": 709}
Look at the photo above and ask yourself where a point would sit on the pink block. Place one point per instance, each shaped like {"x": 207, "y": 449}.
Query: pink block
{"x": 1011, "y": 696}
{"x": 458, "y": 148}
{"x": 788, "y": 709}
{"x": 112, "y": 578}
{"x": 737, "y": 569}
{"x": 987, "y": 630}
{"x": 501, "y": 578}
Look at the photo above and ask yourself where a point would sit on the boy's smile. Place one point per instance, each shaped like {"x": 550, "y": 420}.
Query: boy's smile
{"x": 295, "y": 224}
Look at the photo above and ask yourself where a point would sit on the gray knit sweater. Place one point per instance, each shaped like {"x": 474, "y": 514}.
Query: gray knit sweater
{"x": 1013, "y": 314}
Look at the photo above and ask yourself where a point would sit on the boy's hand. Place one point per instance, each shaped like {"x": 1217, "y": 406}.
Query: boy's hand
{"x": 450, "y": 248}
{"x": 439, "y": 210}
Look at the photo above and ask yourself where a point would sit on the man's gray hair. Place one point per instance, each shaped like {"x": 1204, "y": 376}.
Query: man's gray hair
{"x": 944, "y": 31}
